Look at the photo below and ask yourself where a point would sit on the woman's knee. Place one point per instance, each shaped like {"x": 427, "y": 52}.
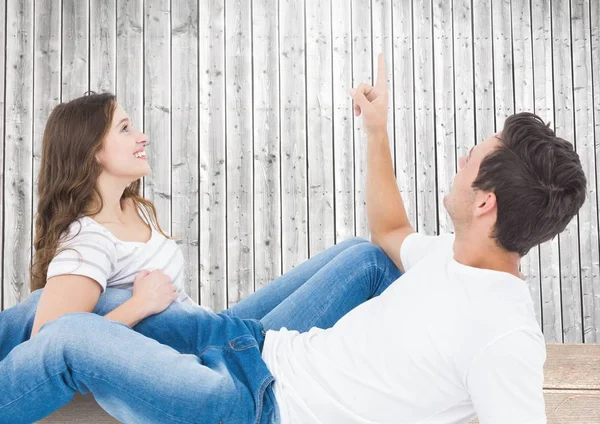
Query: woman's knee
{"x": 352, "y": 241}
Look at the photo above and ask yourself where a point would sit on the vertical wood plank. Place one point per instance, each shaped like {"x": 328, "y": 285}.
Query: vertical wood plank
{"x": 130, "y": 62}
{"x": 238, "y": 78}
{"x": 362, "y": 71}
{"x": 267, "y": 185}
{"x": 568, "y": 239}
{"x": 319, "y": 126}
{"x": 103, "y": 45}
{"x": 443, "y": 77}
{"x": 3, "y": 18}
{"x": 464, "y": 78}
{"x": 523, "y": 75}
{"x": 47, "y": 83}
{"x": 404, "y": 106}
{"x": 184, "y": 138}
{"x": 213, "y": 188}
{"x": 292, "y": 74}
{"x": 584, "y": 136}
{"x": 484, "y": 72}
{"x": 157, "y": 107}
{"x": 425, "y": 119}
{"x": 18, "y": 150}
{"x": 75, "y": 49}
{"x": 593, "y": 307}
{"x": 503, "y": 62}
{"x": 381, "y": 39}
{"x": 544, "y": 107}
{"x": 343, "y": 142}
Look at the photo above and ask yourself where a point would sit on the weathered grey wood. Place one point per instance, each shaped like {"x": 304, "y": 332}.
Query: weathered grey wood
{"x": 593, "y": 308}
{"x": 563, "y": 116}
{"x": 184, "y": 138}
{"x": 381, "y": 40}
{"x": 503, "y": 61}
{"x": 576, "y": 406}
{"x": 427, "y": 202}
{"x": 571, "y": 406}
{"x": 464, "y": 78}
{"x": 267, "y": 160}
{"x": 292, "y": 79}
{"x": 18, "y": 150}
{"x": 544, "y": 107}
{"x": 75, "y": 48}
{"x": 319, "y": 126}
{"x": 524, "y": 101}
{"x": 362, "y": 72}
{"x": 444, "y": 132}
{"x": 213, "y": 191}
{"x": 584, "y": 135}
{"x": 404, "y": 112}
{"x": 238, "y": 79}
{"x": 343, "y": 118}
{"x": 103, "y": 44}
{"x": 157, "y": 107}
{"x": 47, "y": 84}
{"x": 82, "y": 409}
{"x": 130, "y": 63}
{"x": 3, "y": 15}
{"x": 484, "y": 73}
{"x": 572, "y": 366}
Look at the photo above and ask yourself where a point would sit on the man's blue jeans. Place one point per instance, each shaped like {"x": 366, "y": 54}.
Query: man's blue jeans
{"x": 186, "y": 364}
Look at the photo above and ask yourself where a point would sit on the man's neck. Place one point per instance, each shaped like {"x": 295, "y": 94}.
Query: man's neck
{"x": 485, "y": 254}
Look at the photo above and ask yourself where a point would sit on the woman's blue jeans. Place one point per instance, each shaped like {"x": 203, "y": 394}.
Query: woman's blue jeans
{"x": 186, "y": 364}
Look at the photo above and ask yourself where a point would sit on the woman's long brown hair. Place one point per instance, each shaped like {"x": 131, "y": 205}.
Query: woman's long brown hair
{"x": 68, "y": 175}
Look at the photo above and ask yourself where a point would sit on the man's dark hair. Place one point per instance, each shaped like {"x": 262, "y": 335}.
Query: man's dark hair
{"x": 538, "y": 182}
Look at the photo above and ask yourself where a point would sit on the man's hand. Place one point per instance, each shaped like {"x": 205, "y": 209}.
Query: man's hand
{"x": 372, "y": 102}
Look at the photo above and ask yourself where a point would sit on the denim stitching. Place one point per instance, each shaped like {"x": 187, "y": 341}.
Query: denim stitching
{"x": 200, "y": 353}
{"x": 134, "y": 396}
{"x": 39, "y": 385}
{"x": 261, "y": 392}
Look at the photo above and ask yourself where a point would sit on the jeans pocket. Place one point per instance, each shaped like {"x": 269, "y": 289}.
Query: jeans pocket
{"x": 243, "y": 342}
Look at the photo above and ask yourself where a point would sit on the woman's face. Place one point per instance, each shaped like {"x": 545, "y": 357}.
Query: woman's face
{"x": 123, "y": 154}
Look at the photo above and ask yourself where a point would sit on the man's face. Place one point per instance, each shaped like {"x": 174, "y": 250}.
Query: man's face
{"x": 460, "y": 201}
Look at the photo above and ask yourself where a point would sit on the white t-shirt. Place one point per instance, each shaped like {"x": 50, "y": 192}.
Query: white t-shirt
{"x": 93, "y": 251}
{"x": 442, "y": 344}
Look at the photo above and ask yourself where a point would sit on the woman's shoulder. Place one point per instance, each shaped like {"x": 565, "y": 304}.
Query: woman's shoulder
{"x": 85, "y": 230}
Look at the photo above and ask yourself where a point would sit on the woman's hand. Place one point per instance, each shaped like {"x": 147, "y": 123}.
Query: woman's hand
{"x": 372, "y": 102}
{"x": 153, "y": 291}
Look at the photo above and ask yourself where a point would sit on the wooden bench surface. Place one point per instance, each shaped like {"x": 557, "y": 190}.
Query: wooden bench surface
{"x": 571, "y": 390}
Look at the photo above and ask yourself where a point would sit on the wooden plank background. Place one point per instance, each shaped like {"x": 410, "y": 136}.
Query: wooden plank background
{"x": 258, "y": 162}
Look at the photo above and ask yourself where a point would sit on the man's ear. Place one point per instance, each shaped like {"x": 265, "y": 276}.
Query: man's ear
{"x": 485, "y": 202}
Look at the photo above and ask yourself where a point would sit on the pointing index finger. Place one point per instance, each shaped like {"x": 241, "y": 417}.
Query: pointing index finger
{"x": 381, "y": 74}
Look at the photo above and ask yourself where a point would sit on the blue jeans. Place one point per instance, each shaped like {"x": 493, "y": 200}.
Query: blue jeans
{"x": 185, "y": 364}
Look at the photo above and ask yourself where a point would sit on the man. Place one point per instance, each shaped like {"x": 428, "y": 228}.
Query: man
{"x": 454, "y": 338}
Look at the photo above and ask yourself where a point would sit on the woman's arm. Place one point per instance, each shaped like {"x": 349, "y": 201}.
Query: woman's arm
{"x": 76, "y": 293}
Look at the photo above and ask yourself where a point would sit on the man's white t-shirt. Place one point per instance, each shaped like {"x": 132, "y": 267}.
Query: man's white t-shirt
{"x": 444, "y": 343}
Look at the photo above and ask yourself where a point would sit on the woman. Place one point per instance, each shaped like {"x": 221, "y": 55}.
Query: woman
{"x": 99, "y": 248}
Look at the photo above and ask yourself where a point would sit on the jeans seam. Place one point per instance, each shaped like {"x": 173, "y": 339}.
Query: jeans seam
{"x": 201, "y": 352}
{"x": 39, "y": 385}
{"x": 134, "y": 396}
{"x": 261, "y": 394}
